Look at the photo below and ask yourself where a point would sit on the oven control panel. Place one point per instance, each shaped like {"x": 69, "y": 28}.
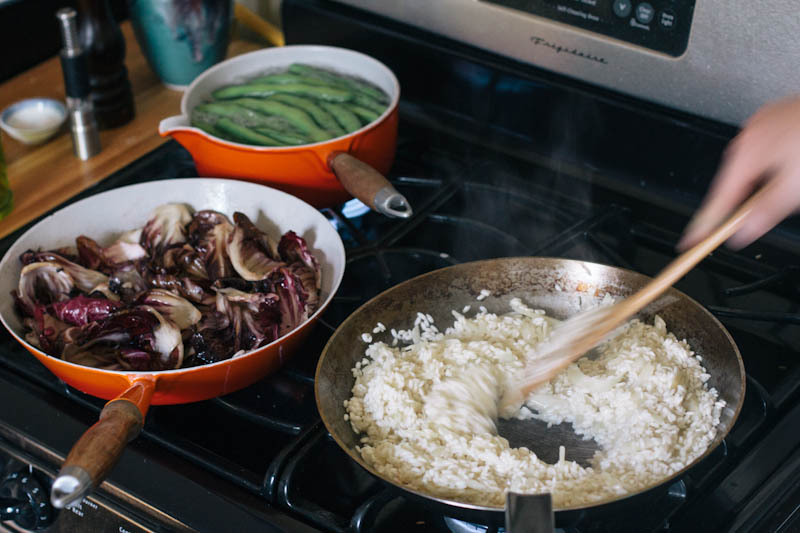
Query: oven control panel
{"x": 25, "y": 502}
{"x": 661, "y": 25}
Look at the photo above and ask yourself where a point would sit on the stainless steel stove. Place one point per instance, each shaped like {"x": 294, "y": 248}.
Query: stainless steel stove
{"x": 498, "y": 158}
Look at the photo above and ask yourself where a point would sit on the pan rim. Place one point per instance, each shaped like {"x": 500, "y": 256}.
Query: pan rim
{"x": 336, "y": 282}
{"x": 486, "y": 509}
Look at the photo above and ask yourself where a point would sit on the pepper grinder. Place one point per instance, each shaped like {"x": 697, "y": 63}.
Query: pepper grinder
{"x": 110, "y": 89}
{"x": 85, "y": 136}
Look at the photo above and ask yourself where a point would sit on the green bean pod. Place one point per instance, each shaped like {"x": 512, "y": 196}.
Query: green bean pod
{"x": 369, "y": 102}
{"x": 243, "y": 134}
{"x": 322, "y": 117}
{"x": 294, "y": 116}
{"x": 338, "y": 80}
{"x": 346, "y": 118}
{"x": 285, "y": 77}
{"x": 366, "y": 115}
{"x": 211, "y": 112}
{"x": 208, "y": 127}
{"x": 240, "y": 115}
{"x": 285, "y": 138}
{"x": 260, "y": 90}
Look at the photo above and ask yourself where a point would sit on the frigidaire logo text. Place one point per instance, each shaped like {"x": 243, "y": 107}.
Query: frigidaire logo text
{"x": 574, "y": 51}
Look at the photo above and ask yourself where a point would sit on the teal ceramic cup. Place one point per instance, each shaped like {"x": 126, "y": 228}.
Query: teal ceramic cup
{"x": 181, "y": 38}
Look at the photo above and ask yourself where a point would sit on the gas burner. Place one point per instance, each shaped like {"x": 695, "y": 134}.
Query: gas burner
{"x": 374, "y": 270}
{"x": 788, "y": 276}
{"x": 461, "y": 526}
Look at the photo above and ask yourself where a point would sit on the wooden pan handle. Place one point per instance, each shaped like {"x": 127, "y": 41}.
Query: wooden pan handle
{"x": 99, "y": 448}
{"x": 368, "y": 185}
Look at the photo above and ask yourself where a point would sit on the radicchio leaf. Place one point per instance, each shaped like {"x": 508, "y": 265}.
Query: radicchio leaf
{"x": 308, "y": 281}
{"x": 93, "y": 256}
{"x": 192, "y": 290}
{"x": 134, "y": 359}
{"x": 42, "y": 282}
{"x": 291, "y": 301}
{"x": 66, "y": 252}
{"x": 32, "y": 333}
{"x": 184, "y": 259}
{"x": 85, "y": 279}
{"x": 89, "y": 252}
{"x": 166, "y": 342}
{"x": 81, "y": 310}
{"x": 211, "y": 344}
{"x": 118, "y": 329}
{"x": 209, "y": 233}
{"x": 109, "y": 357}
{"x": 133, "y": 236}
{"x": 293, "y": 248}
{"x": 127, "y": 282}
{"x": 122, "y": 252}
{"x": 251, "y": 251}
{"x": 45, "y": 330}
{"x": 165, "y": 227}
{"x": 100, "y": 356}
{"x": 178, "y": 310}
{"x": 104, "y": 291}
{"x": 254, "y": 317}
{"x": 140, "y": 327}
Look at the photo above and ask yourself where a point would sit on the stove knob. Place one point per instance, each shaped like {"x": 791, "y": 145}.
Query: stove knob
{"x": 24, "y": 500}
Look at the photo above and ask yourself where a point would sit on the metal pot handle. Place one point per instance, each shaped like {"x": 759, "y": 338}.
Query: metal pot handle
{"x": 368, "y": 185}
{"x": 531, "y": 513}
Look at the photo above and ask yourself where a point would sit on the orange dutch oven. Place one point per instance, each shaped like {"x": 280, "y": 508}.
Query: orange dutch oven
{"x": 104, "y": 217}
{"x": 323, "y": 174}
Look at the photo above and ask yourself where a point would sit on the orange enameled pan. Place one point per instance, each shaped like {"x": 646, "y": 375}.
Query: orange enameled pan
{"x": 323, "y": 174}
{"x": 104, "y": 217}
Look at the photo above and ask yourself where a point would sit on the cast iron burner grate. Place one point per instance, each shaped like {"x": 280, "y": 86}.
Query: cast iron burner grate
{"x": 473, "y": 204}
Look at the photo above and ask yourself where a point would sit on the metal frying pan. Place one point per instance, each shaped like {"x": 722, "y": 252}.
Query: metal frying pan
{"x": 560, "y": 287}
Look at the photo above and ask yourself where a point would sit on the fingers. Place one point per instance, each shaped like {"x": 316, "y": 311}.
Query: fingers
{"x": 765, "y": 150}
{"x": 741, "y": 171}
{"x": 776, "y": 204}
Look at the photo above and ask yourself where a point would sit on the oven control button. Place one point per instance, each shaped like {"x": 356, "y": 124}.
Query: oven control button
{"x": 622, "y": 8}
{"x": 25, "y": 501}
{"x": 645, "y": 13}
{"x": 666, "y": 19}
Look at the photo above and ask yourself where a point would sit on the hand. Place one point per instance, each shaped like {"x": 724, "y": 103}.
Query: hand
{"x": 767, "y": 149}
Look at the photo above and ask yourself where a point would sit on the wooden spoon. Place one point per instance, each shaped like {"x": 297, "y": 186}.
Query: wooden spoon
{"x": 575, "y": 336}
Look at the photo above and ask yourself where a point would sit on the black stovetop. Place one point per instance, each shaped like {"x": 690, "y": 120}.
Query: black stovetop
{"x": 261, "y": 456}
{"x": 267, "y": 439}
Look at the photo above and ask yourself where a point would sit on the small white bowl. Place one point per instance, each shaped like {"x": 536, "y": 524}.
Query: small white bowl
{"x": 34, "y": 120}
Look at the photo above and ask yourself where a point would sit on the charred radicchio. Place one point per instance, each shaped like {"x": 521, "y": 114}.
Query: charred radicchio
{"x": 183, "y": 290}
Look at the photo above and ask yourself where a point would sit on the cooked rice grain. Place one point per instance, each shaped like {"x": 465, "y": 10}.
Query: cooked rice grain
{"x": 645, "y": 383}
